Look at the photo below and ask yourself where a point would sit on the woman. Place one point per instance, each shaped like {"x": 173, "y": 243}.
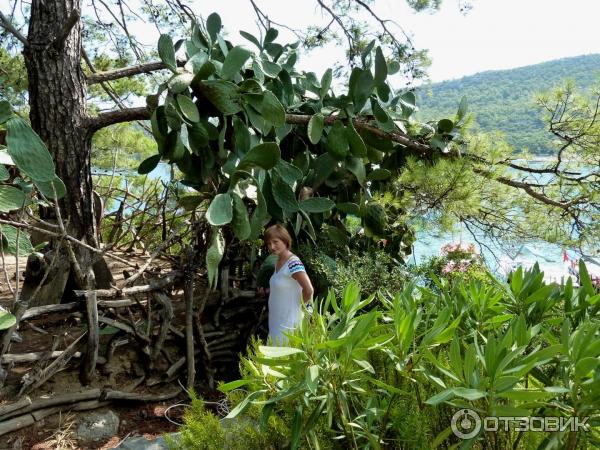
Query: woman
{"x": 289, "y": 285}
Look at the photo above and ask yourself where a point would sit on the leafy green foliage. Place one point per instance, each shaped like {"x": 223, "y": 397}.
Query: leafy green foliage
{"x": 166, "y": 51}
{"x": 13, "y": 79}
{"x": 7, "y": 320}
{"x": 28, "y": 151}
{"x": 349, "y": 367}
{"x": 14, "y": 241}
{"x": 5, "y": 111}
{"x": 50, "y": 189}
{"x": 4, "y": 175}
{"x": 11, "y": 198}
{"x": 220, "y": 211}
{"x": 29, "y": 154}
{"x": 250, "y": 125}
{"x": 372, "y": 269}
{"x": 234, "y": 61}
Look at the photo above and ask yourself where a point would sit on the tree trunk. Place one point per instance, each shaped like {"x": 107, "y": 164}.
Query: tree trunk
{"x": 57, "y": 98}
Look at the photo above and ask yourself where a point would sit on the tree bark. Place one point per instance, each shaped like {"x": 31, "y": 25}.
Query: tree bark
{"x": 58, "y": 112}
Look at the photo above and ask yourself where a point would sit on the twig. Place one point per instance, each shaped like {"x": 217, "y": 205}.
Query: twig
{"x": 166, "y": 315}
{"x": 115, "y": 324}
{"x": 69, "y": 238}
{"x": 4, "y": 271}
{"x": 188, "y": 292}
{"x": 110, "y": 394}
{"x": 8, "y": 26}
{"x": 19, "y": 358}
{"x": 156, "y": 284}
{"x": 91, "y": 357}
{"x": 79, "y": 276}
{"x": 153, "y": 256}
{"x": 30, "y": 383}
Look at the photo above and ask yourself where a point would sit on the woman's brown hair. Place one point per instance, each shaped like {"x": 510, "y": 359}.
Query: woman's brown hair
{"x": 278, "y": 231}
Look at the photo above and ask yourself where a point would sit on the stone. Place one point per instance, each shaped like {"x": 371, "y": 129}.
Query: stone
{"x": 141, "y": 443}
{"x": 97, "y": 427}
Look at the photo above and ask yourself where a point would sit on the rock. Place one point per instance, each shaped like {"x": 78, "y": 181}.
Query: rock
{"x": 98, "y": 426}
{"x": 141, "y": 443}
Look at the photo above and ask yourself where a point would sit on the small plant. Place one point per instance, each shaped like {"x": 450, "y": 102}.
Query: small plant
{"x": 203, "y": 430}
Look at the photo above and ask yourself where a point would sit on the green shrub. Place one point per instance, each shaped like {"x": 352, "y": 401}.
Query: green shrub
{"x": 203, "y": 430}
{"x": 391, "y": 373}
{"x": 371, "y": 270}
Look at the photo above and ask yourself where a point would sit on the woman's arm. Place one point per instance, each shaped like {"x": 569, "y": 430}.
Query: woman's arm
{"x": 305, "y": 284}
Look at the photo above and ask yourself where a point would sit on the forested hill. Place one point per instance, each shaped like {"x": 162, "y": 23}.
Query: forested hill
{"x": 503, "y": 100}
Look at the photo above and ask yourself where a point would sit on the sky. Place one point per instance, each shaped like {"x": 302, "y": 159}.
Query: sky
{"x": 494, "y": 34}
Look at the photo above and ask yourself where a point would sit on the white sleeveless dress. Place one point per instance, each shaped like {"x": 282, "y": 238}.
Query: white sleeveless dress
{"x": 285, "y": 300}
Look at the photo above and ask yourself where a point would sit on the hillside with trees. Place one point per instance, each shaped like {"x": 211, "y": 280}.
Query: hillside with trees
{"x": 504, "y": 100}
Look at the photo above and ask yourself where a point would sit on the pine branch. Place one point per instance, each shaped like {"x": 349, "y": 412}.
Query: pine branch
{"x": 124, "y": 72}
{"x": 361, "y": 124}
{"x": 8, "y": 26}
{"x": 118, "y": 116}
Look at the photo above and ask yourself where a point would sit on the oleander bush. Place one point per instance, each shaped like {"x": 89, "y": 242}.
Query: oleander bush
{"x": 393, "y": 375}
{"x": 456, "y": 262}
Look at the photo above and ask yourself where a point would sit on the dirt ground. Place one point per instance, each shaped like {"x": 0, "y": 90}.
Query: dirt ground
{"x": 124, "y": 371}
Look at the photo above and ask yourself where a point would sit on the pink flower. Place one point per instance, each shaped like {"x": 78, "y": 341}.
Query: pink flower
{"x": 449, "y": 267}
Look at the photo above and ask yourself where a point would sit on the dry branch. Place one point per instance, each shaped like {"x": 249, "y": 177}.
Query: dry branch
{"x": 47, "y": 402}
{"x": 68, "y": 237}
{"x": 20, "y": 358}
{"x": 154, "y": 285}
{"x": 31, "y": 382}
{"x": 175, "y": 233}
{"x": 106, "y": 119}
{"x": 80, "y": 401}
{"x": 5, "y": 410}
{"x": 188, "y": 293}
{"x": 166, "y": 315}
{"x": 113, "y": 323}
{"x": 110, "y": 394}
{"x": 122, "y": 303}
{"x": 41, "y": 310}
{"x": 91, "y": 356}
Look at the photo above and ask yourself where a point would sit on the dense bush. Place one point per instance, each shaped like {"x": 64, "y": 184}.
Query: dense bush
{"x": 392, "y": 376}
{"x": 372, "y": 271}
